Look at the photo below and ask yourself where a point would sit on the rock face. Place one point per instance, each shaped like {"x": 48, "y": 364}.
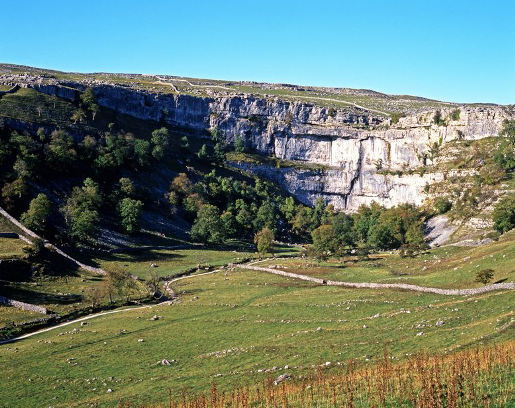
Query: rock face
{"x": 360, "y": 155}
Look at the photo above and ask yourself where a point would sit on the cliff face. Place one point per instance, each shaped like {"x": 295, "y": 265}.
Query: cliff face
{"x": 361, "y": 156}
{"x": 364, "y": 157}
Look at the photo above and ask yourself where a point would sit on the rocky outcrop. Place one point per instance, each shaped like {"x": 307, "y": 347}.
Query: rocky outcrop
{"x": 362, "y": 156}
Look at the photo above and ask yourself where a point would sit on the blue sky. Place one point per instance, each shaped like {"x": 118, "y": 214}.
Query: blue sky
{"x": 461, "y": 51}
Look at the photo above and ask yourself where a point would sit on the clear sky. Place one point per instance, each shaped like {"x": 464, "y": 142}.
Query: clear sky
{"x": 459, "y": 50}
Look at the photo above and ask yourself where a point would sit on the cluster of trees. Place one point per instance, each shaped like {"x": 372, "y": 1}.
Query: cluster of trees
{"x": 26, "y": 161}
{"x": 371, "y": 227}
{"x": 223, "y": 207}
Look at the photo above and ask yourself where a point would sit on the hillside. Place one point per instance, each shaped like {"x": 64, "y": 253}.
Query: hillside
{"x": 191, "y": 240}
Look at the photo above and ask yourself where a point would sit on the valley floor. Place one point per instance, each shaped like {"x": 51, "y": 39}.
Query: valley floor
{"x": 242, "y": 328}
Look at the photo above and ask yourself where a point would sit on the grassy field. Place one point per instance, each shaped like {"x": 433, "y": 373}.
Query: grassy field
{"x": 11, "y": 247}
{"x": 446, "y": 267}
{"x": 240, "y": 329}
{"x": 170, "y": 262}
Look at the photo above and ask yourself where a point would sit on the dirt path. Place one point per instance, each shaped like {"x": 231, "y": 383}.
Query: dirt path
{"x": 81, "y": 319}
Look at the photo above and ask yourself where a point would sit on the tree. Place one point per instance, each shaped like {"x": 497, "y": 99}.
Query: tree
{"x": 95, "y": 295}
{"x": 12, "y": 193}
{"x": 130, "y": 214}
{"x": 504, "y": 156}
{"x": 141, "y": 151}
{"x": 152, "y": 283}
{"x": 160, "y": 141}
{"x": 78, "y": 116}
{"x": 36, "y": 216}
{"x": 127, "y": 188}
{"x": 365, "y": 218}
{"x": 442, "y": 205}
{"x": 208, "y": 226}
{"x": 81, "y": 211}
{"x": 219, "y": 152}
{"x": 288, "y": 208}
{"x": 203, "y": 153}
{"x": 181, "y": 184}
{"x": 484, "y": 276}
{"x": 266, "y": 216}
{"x": 229, "y": 223}
{"x": 343, "y": 226}
{"x": 185, "y": 143}
{"x": 324, "y": 241}
{"x": 264, "y": 240}
{"x": 89, "y": 101}
{"x": 243, "y": 216}
{"x": 119, "y": 281}
{"x": 503, "y": 215}
{"x": 60, "y": 150}
{"x": 239, "y": 144}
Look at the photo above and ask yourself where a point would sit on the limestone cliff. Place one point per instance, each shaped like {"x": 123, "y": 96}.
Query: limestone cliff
{"x": 360, "y": 154}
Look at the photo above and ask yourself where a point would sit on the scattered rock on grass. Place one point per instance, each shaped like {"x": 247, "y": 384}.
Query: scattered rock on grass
{"x": 281, "y": 378}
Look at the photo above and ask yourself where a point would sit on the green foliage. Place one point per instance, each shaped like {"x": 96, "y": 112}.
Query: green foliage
{"x": 60, "y": 150}
{"x": 324, "y": 241}
{"x": 266, "y": 216}
{"x": 239, "y": 144}
{"x": 127, "y": 188}
{"x": 396, "y": 116}
{"x": 160, "y": 142}
{"x": 208, "y": 226}
{"x": 484, "y": 276}
{"x": 442, "y": 205}
{"x": 78, "y": 116}
{"x": 504, "y": 155}
{"x": 82, "y": 211}
{"x": 130, "y": 214}
{"x": 89, "y": 101}
{"x": 35, "y": 218}
{"x": 14, "y": 192}
{"x": 455, "y": 114}
{"x": 203, "y": 153}
{"x": 142, "y": 151}
{"x": 504, "y": 214}
{"x": 437, "y": 118}
{"x": 264, "y": 240}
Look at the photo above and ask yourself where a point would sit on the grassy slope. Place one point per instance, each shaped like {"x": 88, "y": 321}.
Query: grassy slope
{"x": 263, "y": 320}
{"x": 171, "y": 262}
{"x": 11, "y": 247}
{"x": 446, "y": 267}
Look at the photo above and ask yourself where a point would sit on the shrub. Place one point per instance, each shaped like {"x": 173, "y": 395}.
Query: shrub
{"x": 264, "y": 240}
{"x": 455, "y": 114}
{"x": 130, "y": 214}
{"x": 484, "y": 276}
{"x": 442, "y": 205}
{"x": 36, "y": 216}
{"x": 504, "y": 214}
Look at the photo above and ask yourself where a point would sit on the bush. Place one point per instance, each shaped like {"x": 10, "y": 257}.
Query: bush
{"x": 442, "y": 205}
{"x": 455, "y": 114}
{"x": 36, "y": 216}
{"x": 504, "y": 214}
{"x": 130, "y": 214}
{"x": 484, "y": 276}
{"x": 264, "y": 240}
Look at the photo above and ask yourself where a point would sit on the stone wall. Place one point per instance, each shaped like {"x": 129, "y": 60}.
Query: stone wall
{"x": 22, "y": 305}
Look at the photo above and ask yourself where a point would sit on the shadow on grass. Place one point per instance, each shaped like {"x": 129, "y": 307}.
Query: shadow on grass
{"x": 38, "y": 298}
